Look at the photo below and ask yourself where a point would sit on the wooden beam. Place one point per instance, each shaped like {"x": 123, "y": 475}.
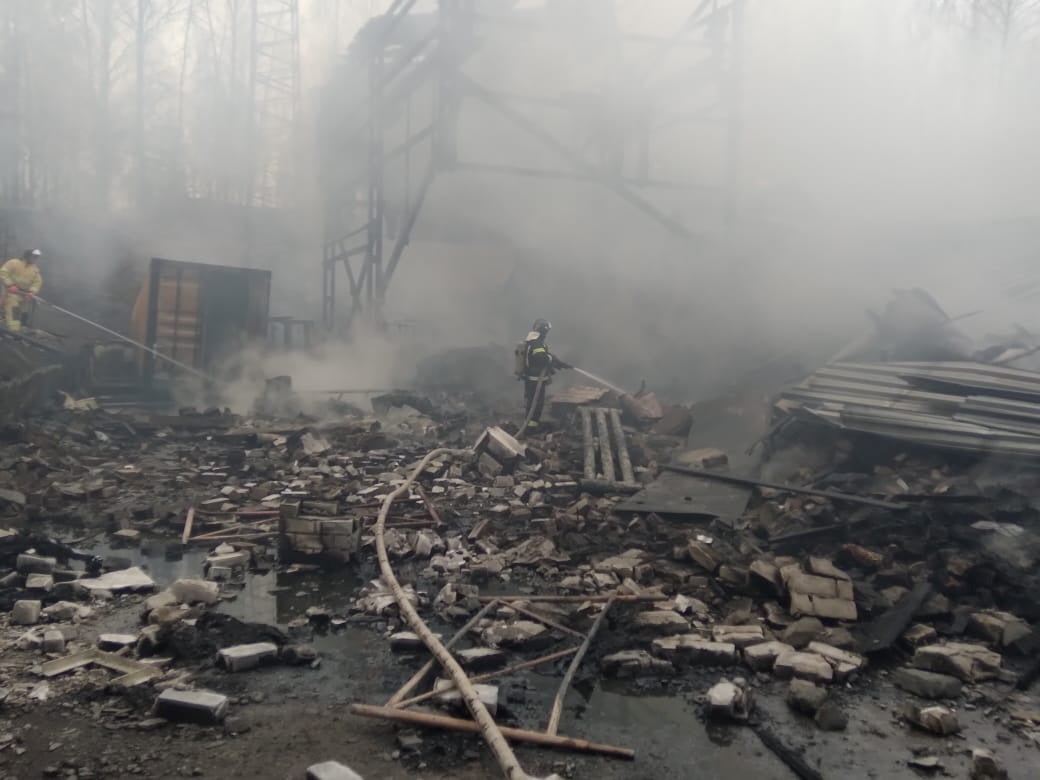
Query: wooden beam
{"x": 430, "y": 720}
{"x": 565, "y": 684}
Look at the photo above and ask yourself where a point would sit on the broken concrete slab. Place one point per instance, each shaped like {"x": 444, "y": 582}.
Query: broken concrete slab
{"x": 232, "y": 560}
{"x": 67, "y": 664}
{"x": 986, "y": 766}
{"x": 741, "y": 636}
{"x": 116, "y": 642}
{"x": 694, "y": 650}
{"x": 935, "y": 719}
{"x": 883, "y": 631}
{"x": 805, "y": 666}
{"x": 132, "y": 579}
{"x": 481, "y": 659}
{"x": 27, "y": 563}
{"x": 61, "y": 610}
{"x": 43, "y": 582}
{"x": 193, "y": 591}
{"x": 450, "y": 695}
{"x": 927, "y": 685}
{"x": 805, "y": 697}
{"x": 518, "y": 634}
{"x": 623, "y": 565}
{"x": 240, "y": 658}
{"x": 1001, "y": 629}
{"x": 967, "y": 662}
{"x": 762, "y": 657}
{"x": 702, "y": 554}
{"x": 803, "y": 631}
{"x": 500, "y": 445}
{"x": 163, "y": 598}
{"x": 661, "y": 622}
{"x": 825, "y": 593}
{"x": 730, "y": 700}
{"x": 191, "y": 706}
{"x": 406, "y": 642}
{"x": 634, "y": 663}
{"x": 919, "y": 634}
{"x": 331, "y": 770}
{"x": 843, "y": 662}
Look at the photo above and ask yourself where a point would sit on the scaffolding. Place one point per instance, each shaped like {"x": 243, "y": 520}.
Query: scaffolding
{"x": 401, "y": 128}
{"x": 275, "y": 91}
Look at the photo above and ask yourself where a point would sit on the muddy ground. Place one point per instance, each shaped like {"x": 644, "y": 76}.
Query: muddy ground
{"x": 282, "y": 719}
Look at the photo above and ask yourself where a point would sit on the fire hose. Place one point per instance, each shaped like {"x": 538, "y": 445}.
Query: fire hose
{"x": 115, "y": 334}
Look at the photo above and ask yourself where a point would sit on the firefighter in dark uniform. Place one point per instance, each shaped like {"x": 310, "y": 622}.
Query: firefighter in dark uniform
{"x": 539, "y": 364}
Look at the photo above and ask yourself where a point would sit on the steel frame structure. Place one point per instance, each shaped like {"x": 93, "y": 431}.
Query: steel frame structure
{"x": 399, "y": 68}
{"x": 275, "y": 90}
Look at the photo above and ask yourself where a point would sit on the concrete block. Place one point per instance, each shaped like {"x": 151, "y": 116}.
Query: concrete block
{"x": 927, "y": 685}
{"x": 331, "y": 770}
{"x": 633, "y": 663}
{"x": 300, "y": 525}
{"x": 31, "y": 640}
{"x": 41, "y": 582}
{"x": 661, "y": 622}
{"x": 741, "y": 636}
{"x": 27, "y": 563}
{"x": 191, "y": 706}
{"x": 114, "y": 642}
{"x": 967, "y": 662}
{"x": 481, "y": 659}
{"x": 802, "y": 631}
{"x": 937, "y": 720}
{"x": 805, "y": 666}
{"x": 242, "y": 657}
{"x": 500, "y": 445}
{"x": 229, "y": 560}
{"x": 729, "y": 701}
{"x": 53, "y": 641}
{"x": 488, "y": 694}
{"x": 61, "y": 610}
{"x": 843, "y": 662}
{"x": 26, "y": 612}
{"x": 406, "y": 642}
{"x": 762, "y": 657}
{"x": 694, "y": 650}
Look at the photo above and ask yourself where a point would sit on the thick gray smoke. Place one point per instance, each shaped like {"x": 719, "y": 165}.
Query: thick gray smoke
{"x": 847, "y": 148}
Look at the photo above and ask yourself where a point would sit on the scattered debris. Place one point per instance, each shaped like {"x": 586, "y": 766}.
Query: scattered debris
{"x": 191, "y": 706}
{"x": 730, "y": 700}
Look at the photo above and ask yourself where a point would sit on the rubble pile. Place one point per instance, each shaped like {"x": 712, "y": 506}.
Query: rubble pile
{"x": 895, "y": 566}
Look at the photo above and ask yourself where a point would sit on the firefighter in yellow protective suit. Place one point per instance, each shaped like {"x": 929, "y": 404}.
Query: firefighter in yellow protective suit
{"x": 21, "y": 280}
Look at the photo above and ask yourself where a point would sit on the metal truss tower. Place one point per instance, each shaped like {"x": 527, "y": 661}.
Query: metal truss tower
{"x": 275, "y": 91}
{"x": 402, "y": 127}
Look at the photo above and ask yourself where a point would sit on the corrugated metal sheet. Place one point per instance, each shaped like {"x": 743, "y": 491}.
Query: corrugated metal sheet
{"x": 959, "y": 406}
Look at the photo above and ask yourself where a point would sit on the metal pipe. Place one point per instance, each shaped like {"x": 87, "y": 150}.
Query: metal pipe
{"x": 127, "y": 339}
